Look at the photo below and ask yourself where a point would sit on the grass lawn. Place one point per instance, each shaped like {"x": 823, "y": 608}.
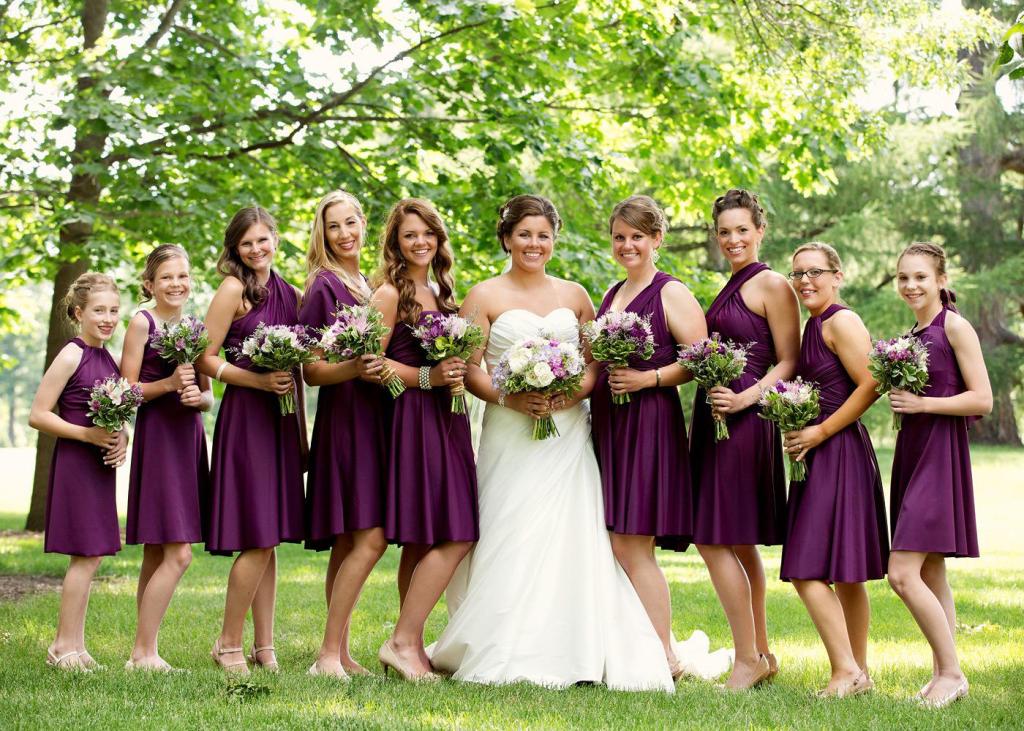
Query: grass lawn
{"x": 989, "y": 601}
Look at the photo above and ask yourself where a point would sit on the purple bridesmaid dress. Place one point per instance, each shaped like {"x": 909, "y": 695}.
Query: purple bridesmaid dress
{"x": 81, "y": 501}
{"x": 641, "y": 445}
{"x": 431, "y": 489}
{"x": 256, "y": 498}
{"x": 931, "y": 492}
{"x": 170, "y": 477}
{"x": 739, "y": 483}
{"x": 837, "y": 530}
{"x": 348, "y": 458}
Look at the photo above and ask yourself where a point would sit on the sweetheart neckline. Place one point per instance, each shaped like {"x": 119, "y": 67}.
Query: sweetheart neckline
{"x": 531, "y": 312}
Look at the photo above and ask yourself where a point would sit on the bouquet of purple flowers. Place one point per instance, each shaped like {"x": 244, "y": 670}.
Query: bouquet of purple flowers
{"x": 450, "y": 336}
{"x": 792, "y": 405}
{"x": 714, "y": 362}
{"x": 182, "y": 342}
{"x": 358, "y": 330}
{"x": 544, "y": 365}
{"x": 112, "y": 402}
{"x": 900, "y": 363}
{"x": 615, "y": 337}
{"x": 279, "y": 348}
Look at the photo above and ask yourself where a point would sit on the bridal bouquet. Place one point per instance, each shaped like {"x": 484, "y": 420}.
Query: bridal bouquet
{"x": 182, "y": 342}
{"x": 358, "y": 330}
{"x": 450, "y": 336}
{"x": 279, "y": 348}
{"x": 714, "y": 362}
{"x": 112, "y": 402}
{"x": 544, "y": 365}
{"x": 615, "y": 337}
{"x": 900, "y": 363}
{"x": 792, "y": 405}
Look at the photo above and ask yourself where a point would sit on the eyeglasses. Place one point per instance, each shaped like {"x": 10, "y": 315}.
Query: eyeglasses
{"x": 811, "y": 274}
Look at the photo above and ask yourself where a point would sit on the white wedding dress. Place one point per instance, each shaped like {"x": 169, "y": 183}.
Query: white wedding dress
{"x": 541, "y": 597}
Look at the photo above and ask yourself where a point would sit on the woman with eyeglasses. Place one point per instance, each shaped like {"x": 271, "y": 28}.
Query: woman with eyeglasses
{"x": 837, "y": 537}
{"x": 739, "y": 483}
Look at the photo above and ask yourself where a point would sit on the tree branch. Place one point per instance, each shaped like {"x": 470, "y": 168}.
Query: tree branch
{"x": 885, "y": 281}
{"x": 29, "y": 29}
{"x": 165, "y": 24}
{"x": 1013, "y": 160}
{"x": 291, "y": 113}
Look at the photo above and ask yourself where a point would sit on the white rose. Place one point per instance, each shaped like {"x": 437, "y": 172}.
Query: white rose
{"x": 518, "y": 359}
{"x": 248, "y": 348}
{"x": 540, "y": 376}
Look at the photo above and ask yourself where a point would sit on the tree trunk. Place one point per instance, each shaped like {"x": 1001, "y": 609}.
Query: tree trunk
{"x": 83, "y": 192}
{"x": 12, "y": 415}
{"x": 984, "y": 242}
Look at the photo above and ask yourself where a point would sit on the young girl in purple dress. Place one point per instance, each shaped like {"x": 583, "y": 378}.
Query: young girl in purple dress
{"x": 256, "y": 491}
{"x": 348, "y": 456}
{"x": 641, "y": 446}
{"x": 431, "y": 504}
{"x": 739, "y": 483}
{"x": 932, "y": 494}
{"x": 81, "y": 507}
{"x": 170, "y": 470}
{"x": 837, "y": 534}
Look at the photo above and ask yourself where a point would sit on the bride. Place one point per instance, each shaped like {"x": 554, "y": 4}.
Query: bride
{"x": 541, "y": 597}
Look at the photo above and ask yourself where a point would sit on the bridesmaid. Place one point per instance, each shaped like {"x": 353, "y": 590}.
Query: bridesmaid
{"x": 81, "y": 509}
{"x": 431, "y": 507}
{"x": 641, "y": 446}
{"x": 739, "y": 483}
{"x": 348, "y": 461}
{"x": 170, "y": 472}
{"x": 837, "y": 533}
{"x": 932, "y": 494}
{"x": 256, "y": 497}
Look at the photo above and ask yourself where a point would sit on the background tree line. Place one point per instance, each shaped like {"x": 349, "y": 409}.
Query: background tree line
{"x": 130, "y": 124}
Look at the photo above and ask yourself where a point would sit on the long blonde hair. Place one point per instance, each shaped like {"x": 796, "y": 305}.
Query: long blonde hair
{"x": 393, "y": 267}
{"x": 320, "y": 258}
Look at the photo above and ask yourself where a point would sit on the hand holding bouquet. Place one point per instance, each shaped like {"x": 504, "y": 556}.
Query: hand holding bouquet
{"x": 183, "y": 342}
{"x": 450, "y": 336}
{"x": 112, "y": 403}
{"x": 792, "y": 405}
{"x": 358, "y": 330}
{"x": 279, "y": 348}
{"x": 615, "y": 337}
{"x": 544, "y": 365}
{"x": 714, "y": 362}
{"x": 900, "y": 363}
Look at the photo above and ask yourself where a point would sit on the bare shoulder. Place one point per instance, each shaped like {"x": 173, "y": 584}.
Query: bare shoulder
{"x": 139, "y": 322}
{"x": 385, "y": 295}
{"x": 773, "y": 284}
{"x": 231, "y": 285}
{"x": 571, "y": 291}
{"x": 67, "y": 358}
{"x": 845, "y": 324}
{"x": 676, "y": 291}
{"x": 958, "y": 328}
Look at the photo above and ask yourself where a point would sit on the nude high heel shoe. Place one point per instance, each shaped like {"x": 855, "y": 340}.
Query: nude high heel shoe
{"x": 389, "y": 659}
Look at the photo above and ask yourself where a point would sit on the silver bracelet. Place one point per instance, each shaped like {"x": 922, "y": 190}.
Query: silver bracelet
{"x": 657, "y": 377}
{"x": 501, "y": 398}
{"x": 425, "y": 378}
{"x": 220, "y": 370}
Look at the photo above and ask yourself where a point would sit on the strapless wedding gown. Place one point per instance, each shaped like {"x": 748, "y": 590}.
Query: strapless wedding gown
{"x": 541, "y": 597}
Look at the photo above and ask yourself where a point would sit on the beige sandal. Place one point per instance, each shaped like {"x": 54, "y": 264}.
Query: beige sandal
{"x": 69, "y": 661}
{"x": 270, "y": 667}
{"x": 239, "y": 667}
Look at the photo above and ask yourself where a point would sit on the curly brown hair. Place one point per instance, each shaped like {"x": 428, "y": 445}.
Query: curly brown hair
{"x": 393, "y": 265}
{"x": 739, "y": 198}
{"x": 231, "y": 264}
{"x": 79, "y": 291}
{"x": 519, "y": 207}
